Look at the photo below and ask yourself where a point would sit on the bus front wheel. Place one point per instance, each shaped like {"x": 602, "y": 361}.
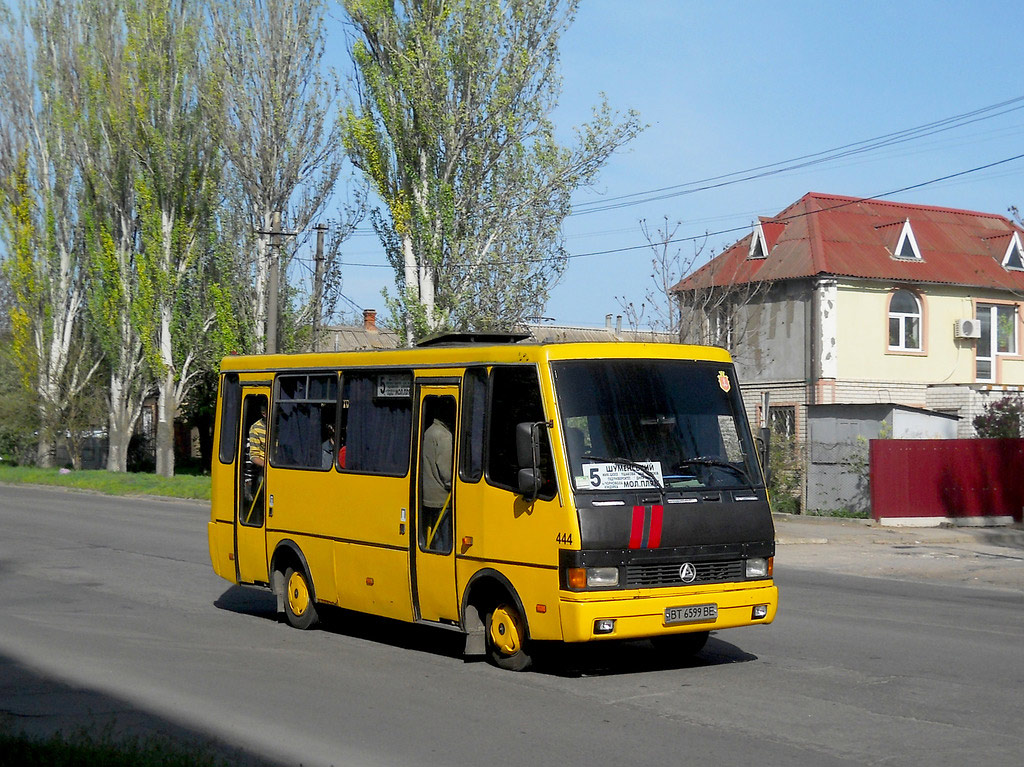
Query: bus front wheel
{"x": 299, "y": 607}
{"x": 506, "y": 642}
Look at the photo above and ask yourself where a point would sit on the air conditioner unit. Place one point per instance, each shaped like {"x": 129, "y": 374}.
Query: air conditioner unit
{"x": 967, "y": 328}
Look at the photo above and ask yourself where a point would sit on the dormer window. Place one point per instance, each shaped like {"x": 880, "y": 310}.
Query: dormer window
{"x": 758, "y": 246}
{"x": 906, "y": 246}
{"x": 1014, "y": 258}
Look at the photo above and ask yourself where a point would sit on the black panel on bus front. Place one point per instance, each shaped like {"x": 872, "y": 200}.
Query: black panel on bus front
{"x": 650, "y": 541}
{"x": 699, "y": 518}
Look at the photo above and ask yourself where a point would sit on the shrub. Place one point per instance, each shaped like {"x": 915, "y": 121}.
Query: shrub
{"x": 1000, "y": 419}
{"x": 784, "y": 464}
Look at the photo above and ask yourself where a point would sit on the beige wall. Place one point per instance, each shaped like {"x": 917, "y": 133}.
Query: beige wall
{"x": 862, "y": 337}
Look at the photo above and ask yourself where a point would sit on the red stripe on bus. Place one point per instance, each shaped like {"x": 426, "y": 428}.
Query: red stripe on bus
{"x": 654, "y": 538}
{"x": 636, "y": 533}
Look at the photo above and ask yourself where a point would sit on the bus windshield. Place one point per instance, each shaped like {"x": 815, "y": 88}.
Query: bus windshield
{"x": 632, "y": 424}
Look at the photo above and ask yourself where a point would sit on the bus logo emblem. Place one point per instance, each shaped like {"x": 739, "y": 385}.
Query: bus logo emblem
{"x": 687, "y": 573}
{"x": 723, "y": 381}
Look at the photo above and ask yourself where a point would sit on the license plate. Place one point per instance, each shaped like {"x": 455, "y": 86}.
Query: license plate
{"x": 691, "y": 614}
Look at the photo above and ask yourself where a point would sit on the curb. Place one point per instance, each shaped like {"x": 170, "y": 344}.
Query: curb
{"x": 793, "y": 529}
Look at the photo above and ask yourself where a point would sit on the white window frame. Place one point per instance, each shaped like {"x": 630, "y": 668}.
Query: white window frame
{"x": 1014, "y": 247}
{"x": 907, "y": 233}
{"x": 993, "y": 311}
{"x": 720, "y": 326}
{"x": 758, "y": 244}
{"x": 902, "y": 318}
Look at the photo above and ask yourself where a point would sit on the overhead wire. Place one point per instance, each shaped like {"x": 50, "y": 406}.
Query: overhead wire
{"x": 735, "y": 229}
{"x": 857, "y": 148}
{"x": 798, "y": 163}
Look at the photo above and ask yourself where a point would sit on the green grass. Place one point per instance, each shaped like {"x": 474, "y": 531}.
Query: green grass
{"x": 111, "y": 483}
{"x": 844, "y": 513}
{"x": 86, "y": 750}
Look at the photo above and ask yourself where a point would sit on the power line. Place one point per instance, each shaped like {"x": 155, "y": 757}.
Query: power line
{"x": 807, "y": 213}
{"x": 733, "y": 230}
{"x": 800, "y": 162}
{"x": 804, "y": 161}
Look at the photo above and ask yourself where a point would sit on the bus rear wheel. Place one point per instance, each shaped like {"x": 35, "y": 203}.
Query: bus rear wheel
{"x": 299, "y": 607}
{"x": 506, "y": 642}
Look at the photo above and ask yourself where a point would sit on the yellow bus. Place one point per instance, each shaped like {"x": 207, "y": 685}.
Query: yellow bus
{"x": 515, "y": 492}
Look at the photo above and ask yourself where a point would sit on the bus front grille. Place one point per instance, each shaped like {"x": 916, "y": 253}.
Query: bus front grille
{"x": 654, "y": 575}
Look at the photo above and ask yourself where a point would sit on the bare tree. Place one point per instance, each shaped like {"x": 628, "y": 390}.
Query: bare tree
{"x": 282, "y": 135}
{"x": 707, "y": 307}
{"x": 660, "y": 310}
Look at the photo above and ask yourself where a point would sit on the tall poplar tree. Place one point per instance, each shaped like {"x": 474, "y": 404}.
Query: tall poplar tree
{"x": 177, "y": 111}
{"x": 281, "y": 136}
{"x": 453, "y": 129}
{"x": 40, "y": 186}
{"x": 111, "y": 232}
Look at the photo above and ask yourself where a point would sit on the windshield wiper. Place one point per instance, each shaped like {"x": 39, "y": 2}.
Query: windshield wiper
{"x": 639, "y": 468}
{"x": 706, "y": 460}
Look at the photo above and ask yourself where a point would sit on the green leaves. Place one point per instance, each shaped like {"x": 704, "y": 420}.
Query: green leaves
{"x": 452, "y": 127}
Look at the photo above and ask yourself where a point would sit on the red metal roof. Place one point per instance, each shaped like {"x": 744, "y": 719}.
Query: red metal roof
{"x": 853, "y": 237}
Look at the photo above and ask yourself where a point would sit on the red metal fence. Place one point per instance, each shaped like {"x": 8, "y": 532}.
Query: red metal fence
{"x": 919, "y": 479}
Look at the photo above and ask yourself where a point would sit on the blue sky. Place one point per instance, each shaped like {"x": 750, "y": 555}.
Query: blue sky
{"x": 730, "y": 86}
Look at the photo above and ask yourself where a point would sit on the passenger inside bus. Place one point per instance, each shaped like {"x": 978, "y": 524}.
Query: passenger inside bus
{"x": 436, "y": 477}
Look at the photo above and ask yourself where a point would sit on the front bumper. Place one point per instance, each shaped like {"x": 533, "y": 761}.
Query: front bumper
{"x": 640, "y": 615}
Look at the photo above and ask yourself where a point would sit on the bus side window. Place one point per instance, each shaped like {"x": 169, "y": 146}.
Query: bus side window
{"x": 474, "y": 408}
{"x": 378, "y": 422}
{"x": 305, "y": 412}
{"x": 231, "y": 410}
{"x": 515, "y": 398}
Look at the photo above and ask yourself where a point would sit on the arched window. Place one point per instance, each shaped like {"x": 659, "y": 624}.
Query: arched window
{"x": 904, "y": 321}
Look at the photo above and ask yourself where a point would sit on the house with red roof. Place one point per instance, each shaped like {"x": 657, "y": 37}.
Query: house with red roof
{"x": 850, "y": 316}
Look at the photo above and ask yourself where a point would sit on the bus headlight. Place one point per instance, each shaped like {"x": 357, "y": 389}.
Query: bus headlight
{"x": 757, "y": 567}
{"x": 579, "y": 578}
{"x": 602, "y": 577}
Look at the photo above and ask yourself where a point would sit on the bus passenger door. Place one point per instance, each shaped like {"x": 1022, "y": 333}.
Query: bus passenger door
{"x": 250, "y": 490}
{"x": 433, "y": 550}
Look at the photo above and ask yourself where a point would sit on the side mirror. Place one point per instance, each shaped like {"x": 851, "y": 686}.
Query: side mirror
{"x": 764, "y": 442}
{"x": 529, "y": 484}
{"x": 527, "y": 449}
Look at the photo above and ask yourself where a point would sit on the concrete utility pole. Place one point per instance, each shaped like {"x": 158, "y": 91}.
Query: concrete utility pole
{"x": 277, "y": 236}
{"x": 273, "y": 287}
{"x": 318, "y": 284}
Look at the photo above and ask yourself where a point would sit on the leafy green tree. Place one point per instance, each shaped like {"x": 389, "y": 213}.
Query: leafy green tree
{"x": 453, "y": 129}
{"x": 39, "y": 192}
{"x": 176, "y": 103}
{"x": 105, "y": 155}
{"x": 19, "y": 414}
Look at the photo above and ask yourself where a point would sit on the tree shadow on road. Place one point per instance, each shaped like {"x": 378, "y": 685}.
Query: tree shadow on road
{"x": 37, "y": 707}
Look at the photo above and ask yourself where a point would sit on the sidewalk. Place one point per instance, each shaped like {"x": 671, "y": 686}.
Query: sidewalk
{"x": 973, "y": 556}
{"x": 798, "y": 528}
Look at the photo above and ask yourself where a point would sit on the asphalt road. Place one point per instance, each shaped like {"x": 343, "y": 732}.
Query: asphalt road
{"x": 109, "y": 611}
